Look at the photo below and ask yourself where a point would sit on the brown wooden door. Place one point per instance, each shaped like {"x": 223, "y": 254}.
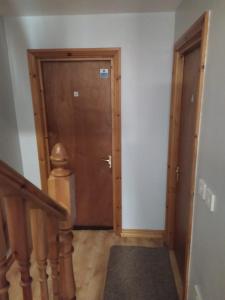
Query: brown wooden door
{"x": 79, "y": 115}
{"x": 189, "y": 107}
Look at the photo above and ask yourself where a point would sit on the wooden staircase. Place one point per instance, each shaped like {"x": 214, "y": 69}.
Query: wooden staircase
{"x": 32, "y": 221}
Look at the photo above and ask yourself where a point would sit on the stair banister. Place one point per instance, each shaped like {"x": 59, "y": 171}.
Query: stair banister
{"x": 50, "y": 235}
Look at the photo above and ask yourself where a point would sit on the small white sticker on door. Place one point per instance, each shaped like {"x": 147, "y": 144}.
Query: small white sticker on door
{"x": 76, "y": 94}
{"x": 104, "y": 73}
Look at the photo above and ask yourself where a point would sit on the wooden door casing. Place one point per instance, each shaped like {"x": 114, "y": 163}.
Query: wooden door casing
{"x": 35, "y": 58}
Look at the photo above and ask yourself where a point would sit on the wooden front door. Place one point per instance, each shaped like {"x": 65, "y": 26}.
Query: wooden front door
{"x": 79, "y": 115}
{"x": 186, "y": 165}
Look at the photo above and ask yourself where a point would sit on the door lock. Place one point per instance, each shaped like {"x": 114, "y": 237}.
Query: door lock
{"x": 109, "y": 161}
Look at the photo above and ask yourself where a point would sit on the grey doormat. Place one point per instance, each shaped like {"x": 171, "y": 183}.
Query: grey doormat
{"x": 139, "y": 273}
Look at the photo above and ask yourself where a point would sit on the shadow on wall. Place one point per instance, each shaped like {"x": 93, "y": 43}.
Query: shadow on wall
{"x": 24, "y": 136}
{"x": 9, "y": 138}
{"x": 16, "y": 121}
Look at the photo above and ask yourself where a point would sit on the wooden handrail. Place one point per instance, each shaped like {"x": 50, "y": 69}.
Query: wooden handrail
{"x": 12, "y": 182}
{"x": 42, "y": 223}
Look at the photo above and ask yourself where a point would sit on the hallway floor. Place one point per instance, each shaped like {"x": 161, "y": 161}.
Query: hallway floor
{"x": 90, "y": 261}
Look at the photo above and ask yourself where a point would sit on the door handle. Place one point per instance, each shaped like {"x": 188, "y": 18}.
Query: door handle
{"x": 109, "y": 161}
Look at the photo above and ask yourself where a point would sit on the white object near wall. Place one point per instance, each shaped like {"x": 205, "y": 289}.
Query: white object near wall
{"x": 207, "y": 195}
{"x": 197, "y": 293}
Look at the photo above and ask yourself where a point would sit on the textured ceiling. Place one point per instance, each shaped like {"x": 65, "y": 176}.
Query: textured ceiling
{"x": 63, "y": 7}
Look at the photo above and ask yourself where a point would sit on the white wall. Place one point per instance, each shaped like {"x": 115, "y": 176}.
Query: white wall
{"x": 146, "y": 41}
{"x": 9, "y": 141}
{"x": 208, "y": 248}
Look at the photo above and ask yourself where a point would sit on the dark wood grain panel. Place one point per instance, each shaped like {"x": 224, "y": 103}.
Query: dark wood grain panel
{"x": 83, "y": 125}
{"x": 186, "y": 154}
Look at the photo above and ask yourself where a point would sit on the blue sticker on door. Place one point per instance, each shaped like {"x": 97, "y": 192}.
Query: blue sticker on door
{"x": 104, "y": 73}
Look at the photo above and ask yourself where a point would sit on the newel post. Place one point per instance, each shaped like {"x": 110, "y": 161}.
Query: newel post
{"x": 61, "y": 188}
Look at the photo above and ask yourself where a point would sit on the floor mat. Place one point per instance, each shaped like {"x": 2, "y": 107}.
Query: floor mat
{"x": 139, "y": 273}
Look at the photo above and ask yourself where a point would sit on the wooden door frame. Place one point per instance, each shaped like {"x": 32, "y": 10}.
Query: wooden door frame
{"x": 35, "y": 57}
{"x": 196, "y": 36}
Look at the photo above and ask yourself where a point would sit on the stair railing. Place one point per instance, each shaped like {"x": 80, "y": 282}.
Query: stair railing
{"x": 42, "y": 223}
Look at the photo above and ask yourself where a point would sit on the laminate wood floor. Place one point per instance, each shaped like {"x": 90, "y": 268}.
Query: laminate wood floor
{"x": 91, "y": 253}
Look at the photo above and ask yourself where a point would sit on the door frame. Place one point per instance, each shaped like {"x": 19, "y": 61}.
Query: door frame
{"x": 196, "y": 36}
{"x": 35, "y": 57}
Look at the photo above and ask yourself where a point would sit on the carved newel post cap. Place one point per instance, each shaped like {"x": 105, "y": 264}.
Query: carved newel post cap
{"x": 59, "y": 160}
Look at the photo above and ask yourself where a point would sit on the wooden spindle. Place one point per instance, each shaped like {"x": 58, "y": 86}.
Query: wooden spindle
{"x": 19, "y": 237}
{"x": 53, "y": 253}
{"x": 61, "y": 188}
{"x": 67, "y": 283}
{"x": 4, "y": 285}
{"x": 39, "y": 237}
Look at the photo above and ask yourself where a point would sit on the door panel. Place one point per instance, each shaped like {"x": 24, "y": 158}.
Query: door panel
{"x": 186, "y": 154}
{"x": 79, "y": 114}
